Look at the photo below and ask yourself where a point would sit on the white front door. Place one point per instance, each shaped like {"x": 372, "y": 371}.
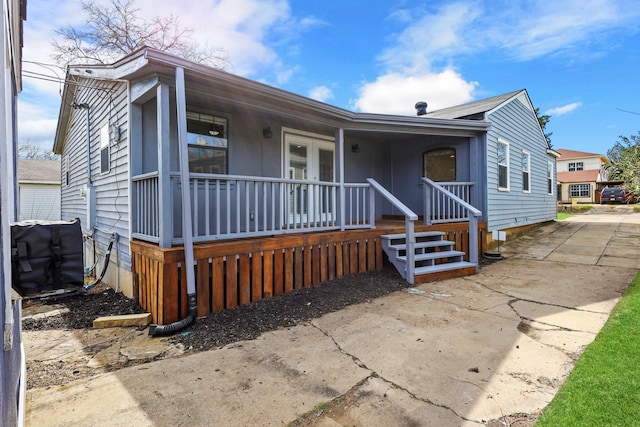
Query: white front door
{"x": 310, "y": 159}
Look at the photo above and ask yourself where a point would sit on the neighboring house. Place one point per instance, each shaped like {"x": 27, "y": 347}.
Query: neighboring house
{"x": 13, "y": 376}
{"x": 283, "y": 191}
{"x": 581, "y": 176}
{"x": 39, "y": 189}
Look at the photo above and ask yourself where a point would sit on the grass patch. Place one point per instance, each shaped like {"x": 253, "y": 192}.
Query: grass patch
{"x": 636, "y": 208}
{"x": 602, "y": 389}
{"x": 563, "y": 215}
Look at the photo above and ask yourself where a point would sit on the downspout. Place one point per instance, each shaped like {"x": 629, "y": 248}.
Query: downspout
{"x": 187, "y": 229}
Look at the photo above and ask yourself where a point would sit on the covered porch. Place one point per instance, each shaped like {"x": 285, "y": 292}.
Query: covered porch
{"x": 288, "y": 193}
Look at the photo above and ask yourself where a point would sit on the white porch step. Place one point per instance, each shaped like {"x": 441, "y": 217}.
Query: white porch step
{"x": 418, "y": 235}
{"x": 423, "y": 245}
{"x": 432, "y": 255}
{"x": 443, "y": 267}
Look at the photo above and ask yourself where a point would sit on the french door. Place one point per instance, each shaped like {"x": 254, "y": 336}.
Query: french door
{"x": 309, "y": 159}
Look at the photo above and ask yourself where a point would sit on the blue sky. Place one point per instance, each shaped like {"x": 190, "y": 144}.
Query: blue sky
{"x": 578, "y": 59}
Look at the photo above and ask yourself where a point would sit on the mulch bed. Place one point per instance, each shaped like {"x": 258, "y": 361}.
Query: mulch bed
{"x": 245, "y": 322}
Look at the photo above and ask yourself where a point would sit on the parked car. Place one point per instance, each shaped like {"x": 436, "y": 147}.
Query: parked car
{"x": 615, "y": 195}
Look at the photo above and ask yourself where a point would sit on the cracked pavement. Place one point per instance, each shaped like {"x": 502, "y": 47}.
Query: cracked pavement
{"x": 458, "y": 352}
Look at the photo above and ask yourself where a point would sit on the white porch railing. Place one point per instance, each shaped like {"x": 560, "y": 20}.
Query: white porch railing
{"x": 228, "y": 206}
{"x": 409, "y": 218}
{"x": 449, "y": 202}
{"x": 145, "y": 207}
{"x": 439, "y": 207}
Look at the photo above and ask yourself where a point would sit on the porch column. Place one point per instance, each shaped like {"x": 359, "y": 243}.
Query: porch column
{"x": 339, "y": 159}
{"x": 165, "y": 208}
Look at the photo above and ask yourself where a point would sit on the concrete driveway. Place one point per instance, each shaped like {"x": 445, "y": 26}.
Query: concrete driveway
{"x": 458, "y": 352}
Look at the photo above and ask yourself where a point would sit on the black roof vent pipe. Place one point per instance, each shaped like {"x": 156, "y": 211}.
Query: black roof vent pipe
{"x": 421, "y": 108}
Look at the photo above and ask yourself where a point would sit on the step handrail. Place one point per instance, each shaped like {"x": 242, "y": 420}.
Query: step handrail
{"x": 472, "y": 214}
{"x": 409, "y": 218}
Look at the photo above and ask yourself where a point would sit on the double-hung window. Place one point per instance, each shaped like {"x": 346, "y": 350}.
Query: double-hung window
{"x": 549, "y": 178}
{"x": 526, "y": 172}
{"x": 503, "y": 166}
{"x": 207, "y": 136}
{"x": 576, "y": 166}
{"x": 579, "y": 190}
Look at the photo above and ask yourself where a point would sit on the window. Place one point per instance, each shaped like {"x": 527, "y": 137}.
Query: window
{"x": 439, "y": 165}
{"x": 576, "y": 166}
{"x": 580, "y": 190}
{"x": 526, "y": 172}
{"x": 207, "y": 139}
{"x": 503, "y": 165}
{"x": 549, "y": 178}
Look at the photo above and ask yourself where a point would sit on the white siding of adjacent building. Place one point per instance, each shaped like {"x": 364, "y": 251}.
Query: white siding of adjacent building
{"x": 39, "y": 201}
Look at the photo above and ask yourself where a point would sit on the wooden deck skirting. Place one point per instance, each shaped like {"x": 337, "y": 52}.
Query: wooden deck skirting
{"x": 232, "y": 273}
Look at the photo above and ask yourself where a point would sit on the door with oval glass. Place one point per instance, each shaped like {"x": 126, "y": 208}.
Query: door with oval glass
{"x": 309, "y": 161}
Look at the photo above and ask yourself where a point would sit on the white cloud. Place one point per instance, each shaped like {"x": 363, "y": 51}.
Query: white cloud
{"x": 37, "y": 124}
{"x": 321, "y": 93}
{"x": 397, "y": 93}
{"x": 420, "y": 58}
{"x": 559, "y": 111}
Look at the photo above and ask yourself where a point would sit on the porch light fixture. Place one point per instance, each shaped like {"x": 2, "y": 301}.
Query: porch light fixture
{"x": 266, "y": 132}
{"x": 355, "y": 148}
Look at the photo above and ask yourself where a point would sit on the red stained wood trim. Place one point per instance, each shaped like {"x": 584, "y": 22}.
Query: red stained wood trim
{"x": 256, "y": 276}
{"x": 244, "y": 279}
{"x": 231, "y": 282}
{"x": 288, "y": 269}
{"x": 307, "y": 266}
{"x": 278, "y": 272}
{"x": 298, "y": 272}
{"x": 203, "y": 288}
{"x": 267, "y": 283}
{"x": 218, "y": 285}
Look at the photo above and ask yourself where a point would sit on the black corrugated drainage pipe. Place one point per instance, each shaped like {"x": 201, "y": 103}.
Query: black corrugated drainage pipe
{"x": 187, "y": 229}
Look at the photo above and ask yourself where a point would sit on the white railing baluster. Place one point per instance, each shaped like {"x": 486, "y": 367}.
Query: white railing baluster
{"x": 451, "y": 192}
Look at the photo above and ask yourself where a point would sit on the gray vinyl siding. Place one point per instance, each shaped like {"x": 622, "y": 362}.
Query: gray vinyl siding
{"x": 108, "y": 105}
{"x": 517, "y": 125}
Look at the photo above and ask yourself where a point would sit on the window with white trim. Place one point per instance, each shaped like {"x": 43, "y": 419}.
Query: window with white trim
{"x": 526, "y": 172}
{"x": 579, "y": 190}
{"x": 503, "y": 165}
{"x": 576, "y": 166}
{"x": 549, "y": 178}
{"x": 207, "y": 141}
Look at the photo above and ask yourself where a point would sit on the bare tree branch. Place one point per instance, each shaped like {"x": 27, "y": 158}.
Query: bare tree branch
{"x": 115, "y": 30}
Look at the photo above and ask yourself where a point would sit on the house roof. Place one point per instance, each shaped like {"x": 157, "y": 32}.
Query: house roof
{"x": 572, "y": 154}
{"x": 146, "y": 67}
{"x": 579, "y": 176}
{"x": 475, "y": 107}
{"x": 39, "y": 171}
